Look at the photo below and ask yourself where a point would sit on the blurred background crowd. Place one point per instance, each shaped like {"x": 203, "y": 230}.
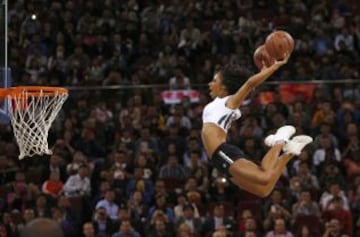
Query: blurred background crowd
{"x": 127, "y": 164}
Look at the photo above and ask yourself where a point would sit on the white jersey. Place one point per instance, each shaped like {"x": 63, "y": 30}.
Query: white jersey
{"x": 216, "y": 112}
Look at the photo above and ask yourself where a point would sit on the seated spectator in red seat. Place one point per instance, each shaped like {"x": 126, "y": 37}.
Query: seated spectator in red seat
{"x": 279, "y": 229}
{"x": 53, "y": 186}
{"x": 336, "y": 210}
{"x": 305, "y": 206}
{"x": 172, "y": 169}
{"x": 189, "y": 219}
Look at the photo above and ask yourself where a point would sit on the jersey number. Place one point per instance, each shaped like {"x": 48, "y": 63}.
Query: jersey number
{"x": 225, "y": 120}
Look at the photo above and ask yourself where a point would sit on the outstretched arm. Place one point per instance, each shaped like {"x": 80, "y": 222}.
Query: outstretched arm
{"x": 236, "y": 99}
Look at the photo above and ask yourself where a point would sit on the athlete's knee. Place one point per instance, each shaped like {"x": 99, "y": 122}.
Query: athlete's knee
{"x": 263, "y": 193}
{"x": 264, "y": 178}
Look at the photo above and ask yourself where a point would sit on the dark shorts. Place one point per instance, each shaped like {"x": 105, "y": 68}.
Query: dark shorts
{"x": 224, "y": 156}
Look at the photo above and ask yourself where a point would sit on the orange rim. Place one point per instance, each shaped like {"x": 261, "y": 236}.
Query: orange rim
{"x": 35, "y": 91}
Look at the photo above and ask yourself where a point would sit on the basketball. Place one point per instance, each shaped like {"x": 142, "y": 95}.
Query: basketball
{"x": 262, "y": 56}
{"x": 278, "y": 43}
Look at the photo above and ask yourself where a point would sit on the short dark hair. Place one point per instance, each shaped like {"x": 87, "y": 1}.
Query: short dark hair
{"x": 233, "y": 76}
{"x": 43, "y": 227}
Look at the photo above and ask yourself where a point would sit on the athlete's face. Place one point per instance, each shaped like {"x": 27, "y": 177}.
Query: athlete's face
{"x": 216, "y": 87}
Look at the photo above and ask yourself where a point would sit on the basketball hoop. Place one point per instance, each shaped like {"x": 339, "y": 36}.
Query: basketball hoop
{"x": 32, "y": 110}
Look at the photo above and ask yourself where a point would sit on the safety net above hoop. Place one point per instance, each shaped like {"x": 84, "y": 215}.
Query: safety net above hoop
{"x": 32, "y": 110}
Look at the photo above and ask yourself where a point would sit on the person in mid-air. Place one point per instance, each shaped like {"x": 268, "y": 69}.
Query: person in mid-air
{"x": 229, "y": 88}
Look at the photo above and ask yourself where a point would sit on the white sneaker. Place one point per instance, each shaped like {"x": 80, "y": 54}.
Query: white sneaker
{"x": 297, "y": 144}
{"x": 282, "y": 134}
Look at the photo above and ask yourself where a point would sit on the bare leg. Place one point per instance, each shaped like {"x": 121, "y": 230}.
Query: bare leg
{"x": 271, "y": 157}
{"x": 259, "y": 189}
{"x": 253, "y": 173}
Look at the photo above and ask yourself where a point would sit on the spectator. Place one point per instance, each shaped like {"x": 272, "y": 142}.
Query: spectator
{"x": 78, "y": 185}
{"x": 126, "y": 230}
{"x": 42, "y": 207}
{"x": 326, "y": 153}
{"x": 88, "y": 230}
{"x": 251, "y": 228}
{"x": 179, "y": 81}
{"x": 334, "y": 190}
{"x": 279, "y": 229}
{"x": 189, "y": 218}
{"x": 332, "y": 228}
{"x": 336, "y": 210}
{"x": 54, "y": 166}
{"x": 161, "y": 205}
{"x": 303, "y": 179}
{"x": 172, "y": 169}
{"x": 218, "y": 220}
{"x": 53, "y": 186}
{"x": 103, "y": 224}
{"x": 160, "y": 229}
{"x": 109, "y": 205}
{"x": 305, "y": 206}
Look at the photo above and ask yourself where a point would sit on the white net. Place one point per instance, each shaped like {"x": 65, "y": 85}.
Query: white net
{"x": 31, "y": 117}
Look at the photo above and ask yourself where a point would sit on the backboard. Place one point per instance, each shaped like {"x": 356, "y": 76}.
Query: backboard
{"x": 5, "y": 72}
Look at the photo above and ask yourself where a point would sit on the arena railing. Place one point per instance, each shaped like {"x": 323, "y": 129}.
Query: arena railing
{"x": 121, "y": 93}
{"x": 203, "y": 85}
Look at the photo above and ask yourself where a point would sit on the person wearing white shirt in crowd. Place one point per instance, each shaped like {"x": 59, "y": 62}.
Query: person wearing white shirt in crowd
{"x": 78, "y": 185}
{"x": 334, "y": 190}
{"x": 112, "y": 209}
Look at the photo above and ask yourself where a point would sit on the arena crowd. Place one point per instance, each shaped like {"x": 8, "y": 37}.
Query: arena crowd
{"x": 127, "y": 164}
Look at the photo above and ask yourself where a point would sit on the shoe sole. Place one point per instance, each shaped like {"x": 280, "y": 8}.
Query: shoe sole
{"x": 301, "y": 140}
{"x": 283, "y": 133}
